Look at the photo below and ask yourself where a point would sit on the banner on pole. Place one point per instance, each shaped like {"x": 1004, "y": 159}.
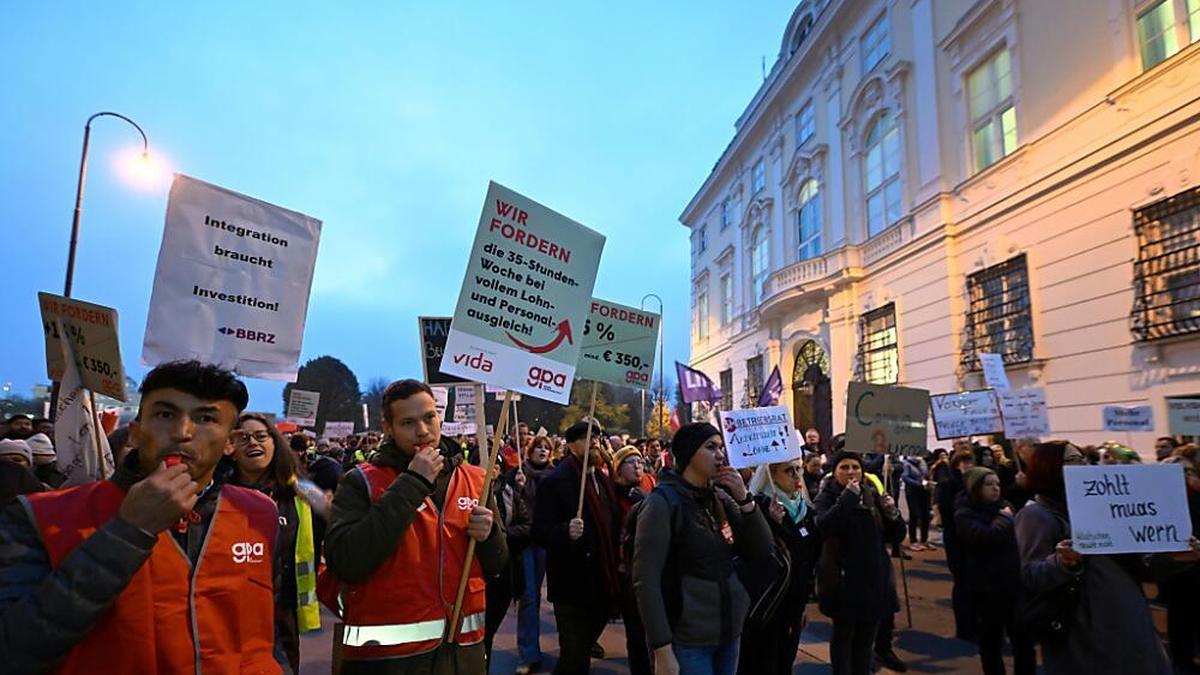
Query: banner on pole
{"x": 965, "y": 413}
{"x": 1024, "y": 412}
{"x": 92, "y": 330}
{"x": 302, "y": 407}
{"x": 758, "y": 436}
{"x": 619, "y": 344}
{"x": 524, "y": 299}
{"x": 232, "y": 283}
{"x": 339, "y": 429}
{"x": 433, "y": 331}
{"x": 882, "y": 419}
{"x": 1122, "y": 418}
{"x": 1127, "y": 508}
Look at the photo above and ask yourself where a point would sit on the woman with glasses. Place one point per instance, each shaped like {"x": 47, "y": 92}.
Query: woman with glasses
{"x": 262, "y": 461}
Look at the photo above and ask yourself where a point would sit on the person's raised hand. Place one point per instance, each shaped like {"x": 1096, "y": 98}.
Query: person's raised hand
{"x": 854, "y": 487}
{"x": 575, "y": 529}
{"x": 889, "y": 504}
{"x": 731, "y": 481}
{"x": 158, "y": 501}
{"x": 427, "y": 463}
{"x": 775, "y": 510}
{"x": 480, "y": 525}
{"x": 1068, "y": 557}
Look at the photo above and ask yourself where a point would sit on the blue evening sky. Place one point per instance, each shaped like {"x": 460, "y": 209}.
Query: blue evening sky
{"x": 384, "y": 120}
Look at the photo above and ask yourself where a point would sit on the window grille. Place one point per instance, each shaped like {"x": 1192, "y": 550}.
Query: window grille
{"x": 1166, "y": 275}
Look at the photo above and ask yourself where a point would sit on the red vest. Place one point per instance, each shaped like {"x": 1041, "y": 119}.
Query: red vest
{"x": 171, "y": 618}
{"x": 404, "y": 606}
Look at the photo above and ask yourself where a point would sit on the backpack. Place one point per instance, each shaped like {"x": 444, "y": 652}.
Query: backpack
{"x": 672, "y": 584}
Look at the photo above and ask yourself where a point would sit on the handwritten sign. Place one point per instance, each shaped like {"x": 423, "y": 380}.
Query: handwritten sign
{"x": 92, "y": 332}
{"x": 1183, "y": 416}
{"x": 758, "y": 436}
{"x": 966, "y": 413}
{"x": 618, "y": 345}
{"x": 1121, "y": 418}
{"x": 993, "y": 370}
{"x": 1130, "y": 508}
{"x": 302, "y": 407}
{"x": 433, "y": 331}
{"x": 1024, "y": 412}
{"x": 339, "y": 429}
{"x": 886, "y": 420}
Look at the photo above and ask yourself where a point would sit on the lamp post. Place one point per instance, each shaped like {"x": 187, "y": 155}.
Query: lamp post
{"x": 662, "y": 392}
{"x": 87, "y": 132}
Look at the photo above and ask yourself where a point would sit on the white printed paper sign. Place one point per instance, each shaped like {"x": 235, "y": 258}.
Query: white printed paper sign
{"x": 993, "y": 370}
{"x": 302, "y": 407}
{"x": 339, "y": 429}
{"x": 1130, "y": 508}
{"x": 92, "y": 331}
{"x": 455, "y": 429}
{"x": 1121, "y": 418}
{"x": 966, "y": 413}
{"x": 1183, "y": 416}
{"x": 520, "y": 314}
{"x": 232, "y": 283}
{"x": 1024, "y": 412}
{"x": 758, "y": 436}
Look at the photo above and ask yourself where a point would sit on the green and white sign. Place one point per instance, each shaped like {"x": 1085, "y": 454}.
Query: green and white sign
{"x": 525, "y": 298}
{"x": 618, "y": 345}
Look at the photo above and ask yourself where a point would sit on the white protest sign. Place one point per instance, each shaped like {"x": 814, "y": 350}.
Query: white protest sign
{"x": 92, "y": 331}
{"x": 618, "y": 345}
{"x": 1024, "y": 412}
{"x": 464, "y": 395}
{"x": 452, "y": 429}
{"x": 885, "y": 420}
{"x": 1122, "y": 418}
{"x": 758, "y": 436}
{"x": 441, "y": 399}
{"x": 302, "y": 407}
{"x": 232, "y": 282}
{"x": 1183, "y": 416}
{"x": 1127, "y": 508}
{"x": 993, "y": 370}
{"x": 339, "y": 429}
{"x": 366, "y": 417}
{"x": 966, "y": 413}
{"x": 524, "y": 300}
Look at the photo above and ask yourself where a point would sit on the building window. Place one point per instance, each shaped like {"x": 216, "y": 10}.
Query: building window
{"x": 883, "y": 174}
{"x": 1166, "y": 274}
{"x": 754, "y": 381}
{"x": 802, "y": 31}
{"x": 758, "y": 177}
{"x": 809, "y": 221}
{"x": 702, "y": 239}
{"x": 1165, "y": 27}
{"x": 702, "y": 315}
{"x": 727, "y": 389}
{"x": 726, "y": 299}
{"x": 875, "y": 44}
{"x": 878, "y": 345}
{"x": 993, "y": 116}
{"x": 1193, "y": 9}
{"x": 806, "y": 123}
{"x": 999, "y": 319}
{"x": 726, "y": 215}
{"x": 759, "y": 263}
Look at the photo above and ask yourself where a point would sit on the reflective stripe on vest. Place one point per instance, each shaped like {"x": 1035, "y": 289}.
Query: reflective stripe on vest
{"x": 398, "y": 634}
{"x": 308, "y": 612}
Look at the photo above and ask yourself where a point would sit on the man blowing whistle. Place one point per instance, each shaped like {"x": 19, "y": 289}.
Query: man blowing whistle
{"x": 397, "y": 542}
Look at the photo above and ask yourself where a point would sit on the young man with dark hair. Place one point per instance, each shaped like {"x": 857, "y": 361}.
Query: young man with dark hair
{"x": 20, "y": 427}
{"x": 397, "y": 540}
{"x": 162, "y": 568}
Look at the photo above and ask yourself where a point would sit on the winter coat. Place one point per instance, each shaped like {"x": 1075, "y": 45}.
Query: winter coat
{"x": 802, "y": 541}
{"x": 914, "y": 474}
{"x": 854, "y": 573}
{"x": 514, "y": 514}
{"x": 991, "y": 561}
{"x": 17, "y": 480}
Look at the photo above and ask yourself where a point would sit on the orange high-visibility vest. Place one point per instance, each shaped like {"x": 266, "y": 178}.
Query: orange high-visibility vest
{"x": 171, "y": 618}
{"x": 404, "y": 607}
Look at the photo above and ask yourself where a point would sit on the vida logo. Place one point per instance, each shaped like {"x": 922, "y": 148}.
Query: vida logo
{"x": 478, "y": 362}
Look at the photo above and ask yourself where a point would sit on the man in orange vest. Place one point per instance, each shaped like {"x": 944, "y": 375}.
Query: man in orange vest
{"x": 162, "y": 568}
{"x": 397, "y": 540}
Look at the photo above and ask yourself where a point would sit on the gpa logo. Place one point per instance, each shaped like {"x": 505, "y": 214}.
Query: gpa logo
{"x": 467, "y": 503}
{"x": 544, "y": 378}
{"x": 636, "y": 377}
{"x": 478, "y": 362}
{"x": 248, "y": 552}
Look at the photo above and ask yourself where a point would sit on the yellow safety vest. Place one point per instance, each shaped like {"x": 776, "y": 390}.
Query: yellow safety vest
{"x": 308, "y": 612}
{"x": 876, "y": 482}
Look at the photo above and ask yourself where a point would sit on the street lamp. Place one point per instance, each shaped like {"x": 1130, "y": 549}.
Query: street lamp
{"x": 87, "y": 132}
{"x": 662, "y": 365}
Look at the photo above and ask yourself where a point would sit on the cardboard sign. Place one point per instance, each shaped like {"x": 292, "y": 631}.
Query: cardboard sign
{"x": 1122, "y": 418}
{"x": 302, "y": 407}
{"x": 1129, "y": 508}
{"x": 520, "y": 314}
{"x": 618, "y": 345}
{"x": 758, "y": 436}
{"x": 882, "y": 419}
{"x": 1024, "y": 412}
{"x": 1183, "y": 416}
{"x": 993, "y": 370}
{"x": 232, "y": 283}
{"x": 966, "y": 413}
{"x": 92, "y": 332}
{"x": 339, "y": 429}
{"x": 433, "y": 331}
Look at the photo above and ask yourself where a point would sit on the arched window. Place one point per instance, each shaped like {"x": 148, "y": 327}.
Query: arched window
{"x": 803, "y": 28}
{"x": 759, "y": 262}
{"x": 882, "y": 174}
{"x": 809, "y": 221}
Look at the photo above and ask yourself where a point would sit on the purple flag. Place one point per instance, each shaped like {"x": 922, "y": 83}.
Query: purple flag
{"x": 695, "y": 385}
{"x": 772, "y": 390}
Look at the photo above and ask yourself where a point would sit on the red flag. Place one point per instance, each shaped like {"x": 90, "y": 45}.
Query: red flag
{"x": 674, "y": 423}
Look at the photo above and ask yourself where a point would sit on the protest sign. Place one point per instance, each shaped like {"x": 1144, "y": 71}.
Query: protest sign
{"x": 82, "y": 450}
{"x": 758, "y": 436}
{"x": 1183, "y": 416}
{"x": 993, "y": 370}
{"x": 441, "y": 399}
{"x": 1127, "y": 508}
{"x": 464, "y": 395}
{"x": 1024, "y": 412}
{"x": 453, "y": 429}
{"x": 232, "y": 282}
{"x": 433, "y": 331}
{"x": 339, "y": 429}
{"x": 966, "y": 413}
{"x": 92, "y": 331}
{"x": 1122, "y": 418}
{"x": 618, "y": 345}
{"x": 524, "y": 299}
{"x": 302, "y": 407}
{"x": 882, "y": 419}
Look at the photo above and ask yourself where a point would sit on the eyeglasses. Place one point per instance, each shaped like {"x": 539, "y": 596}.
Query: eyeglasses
{"x": 244, "y": 437}
{"x": 792, "y": 470}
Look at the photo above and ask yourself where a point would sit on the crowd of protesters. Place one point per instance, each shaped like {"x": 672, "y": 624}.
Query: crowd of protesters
{"x": 708, "y": 569}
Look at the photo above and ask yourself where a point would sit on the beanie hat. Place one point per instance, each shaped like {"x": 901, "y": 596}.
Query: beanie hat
{"x": 10, "y": 446}
{"x": 41, "y": 447}
{"x": 624, "y": 454}
{"x": 973, "y": 480}
{"x": 841, "y": 455}
{"x": 688, "y": 440}
{"x": 578, "y": 431}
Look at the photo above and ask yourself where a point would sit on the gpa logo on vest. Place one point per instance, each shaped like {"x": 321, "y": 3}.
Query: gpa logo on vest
{"x": 248, "y": 552}
{"x": 467, "y": 503}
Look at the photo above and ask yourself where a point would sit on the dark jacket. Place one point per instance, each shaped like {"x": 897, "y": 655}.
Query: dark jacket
{"x": 574, "y": 569}
{"x": 45, "y": 612}
{"x": 946, "y": 497}
{"x": 514, "y": 514}
{"x": 991, "y": 561}
{"x": 16, "y": 480}
{"x": 854, "y": 572}
{"x": 533, "y": 478}
{"x": 802, "y": 541}
{"x": 712, "y": 600}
